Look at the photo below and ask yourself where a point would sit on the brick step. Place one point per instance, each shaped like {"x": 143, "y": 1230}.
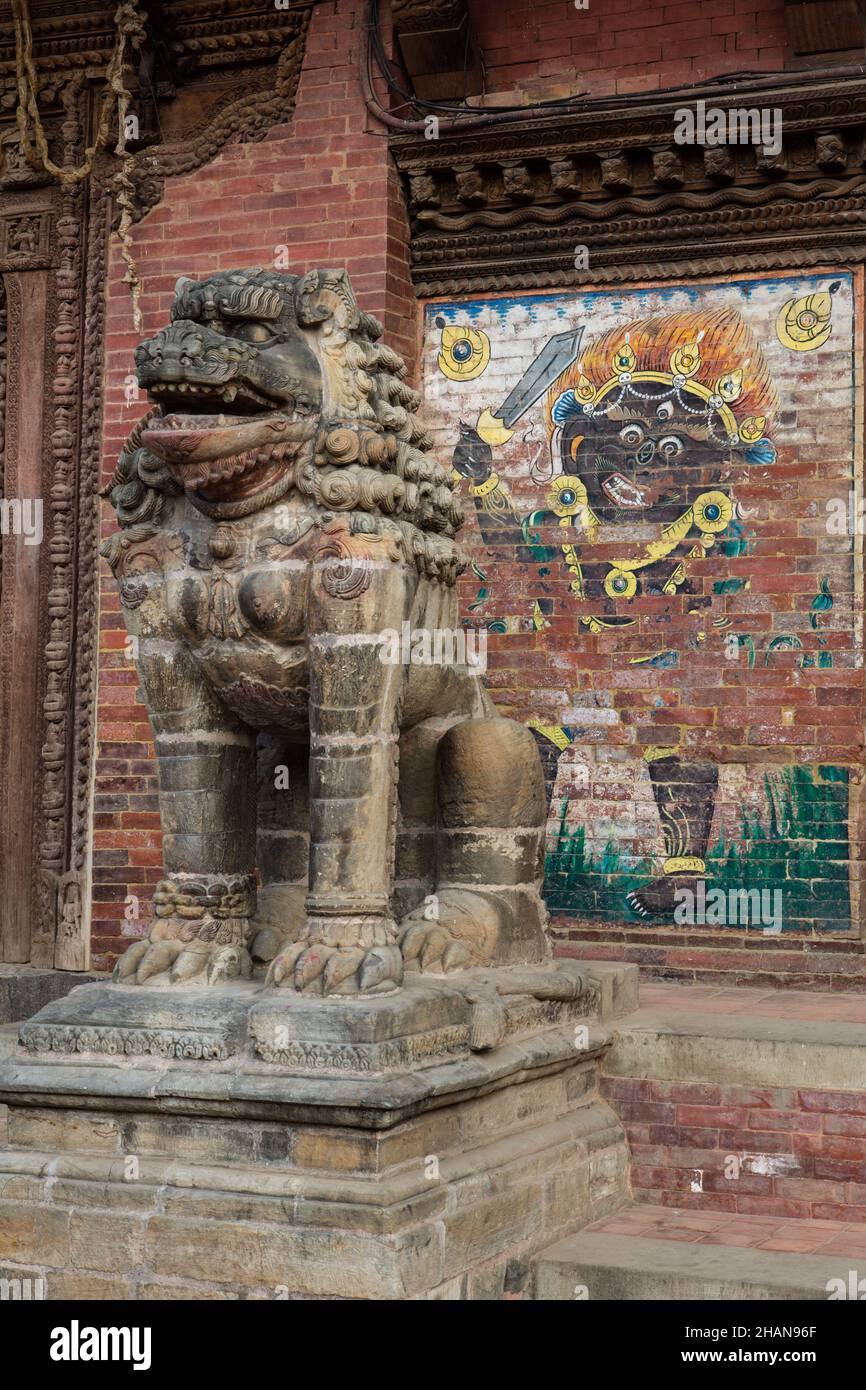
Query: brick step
{"x": 744, "y": 1101}
{"x": 832, "y": 964}
{"x": 646, "y": 1252}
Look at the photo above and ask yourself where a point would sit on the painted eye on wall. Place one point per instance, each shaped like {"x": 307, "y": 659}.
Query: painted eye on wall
{"x": 631, "y": 436}
{"x": 665, "y": 410}
{"x": 464, "y": 353}
{"x": 670, "y": 446}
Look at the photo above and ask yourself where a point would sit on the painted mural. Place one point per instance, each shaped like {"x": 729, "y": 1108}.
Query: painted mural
{"x": 656, "y": 478}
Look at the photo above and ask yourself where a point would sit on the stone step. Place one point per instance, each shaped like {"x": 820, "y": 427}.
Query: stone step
{"x": 667, "y": 1253}
{"x": 8, "y": 1041}
{"x": 24, "y": 990}
{"x": 8, "y": 1038}
{"x": 744, "y": 1100}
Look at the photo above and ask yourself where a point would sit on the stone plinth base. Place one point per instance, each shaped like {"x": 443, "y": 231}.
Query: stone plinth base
{"x": 420, "y": 1145}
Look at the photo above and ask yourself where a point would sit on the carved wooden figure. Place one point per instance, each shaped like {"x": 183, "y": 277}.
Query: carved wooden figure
{"x": 278, "y": 517}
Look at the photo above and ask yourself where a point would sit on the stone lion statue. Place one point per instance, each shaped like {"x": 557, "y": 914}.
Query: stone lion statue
{"x": 328, "y": 811}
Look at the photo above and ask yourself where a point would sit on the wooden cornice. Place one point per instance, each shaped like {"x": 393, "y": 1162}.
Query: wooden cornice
{"x": 505, "y": 205}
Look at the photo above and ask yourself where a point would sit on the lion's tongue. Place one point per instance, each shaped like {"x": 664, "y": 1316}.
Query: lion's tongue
{"x": 198, "y": 439}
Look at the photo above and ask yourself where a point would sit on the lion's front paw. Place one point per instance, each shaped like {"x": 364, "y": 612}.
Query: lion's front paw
{"x": 176, "y": 952}
{"x": 452, "y": 930}
{"x": 314, "y": 968}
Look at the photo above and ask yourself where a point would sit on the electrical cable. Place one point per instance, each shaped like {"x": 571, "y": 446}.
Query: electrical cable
{"x": 467, "y": 117}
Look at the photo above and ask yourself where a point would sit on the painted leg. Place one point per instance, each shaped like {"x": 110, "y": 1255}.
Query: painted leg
{"x": 487, "y": 908}
{"x": 685, "y": 794}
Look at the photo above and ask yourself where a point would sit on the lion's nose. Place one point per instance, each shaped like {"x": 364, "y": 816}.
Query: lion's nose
{"x": 646, "y": 452}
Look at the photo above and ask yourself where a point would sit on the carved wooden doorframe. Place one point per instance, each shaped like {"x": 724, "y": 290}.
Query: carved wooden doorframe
{"x": 242, "y": 66}
{"x": 47, "y": 608}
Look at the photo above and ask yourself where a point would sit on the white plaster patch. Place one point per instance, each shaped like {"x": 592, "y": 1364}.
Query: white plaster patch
{"x": 770, "y": 1165}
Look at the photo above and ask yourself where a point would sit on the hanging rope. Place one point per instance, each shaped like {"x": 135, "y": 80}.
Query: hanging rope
{"x": 130, "y": 27}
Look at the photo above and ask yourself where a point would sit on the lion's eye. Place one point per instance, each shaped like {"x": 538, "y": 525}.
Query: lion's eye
{"x": 631, "y": 435}
{"x": 670, "y": 446}
{"x": 253, "y": 333}
{"x": 665, "y": 410}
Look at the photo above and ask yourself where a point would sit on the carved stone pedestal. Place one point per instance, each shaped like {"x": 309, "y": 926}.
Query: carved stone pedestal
{"x": 257, "y": 1143}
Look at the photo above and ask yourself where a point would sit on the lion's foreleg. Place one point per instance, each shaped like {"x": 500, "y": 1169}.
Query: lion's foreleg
{"x": 349, "y": 943}
{"x": 206, "y": 763}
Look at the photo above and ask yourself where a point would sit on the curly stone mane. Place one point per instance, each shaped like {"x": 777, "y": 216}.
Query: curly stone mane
{"x": 364, "y": 454}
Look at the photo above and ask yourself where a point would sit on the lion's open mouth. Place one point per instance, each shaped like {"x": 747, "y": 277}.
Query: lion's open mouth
{"x": 206, "y": 451}
{"x": 240, "y": 394}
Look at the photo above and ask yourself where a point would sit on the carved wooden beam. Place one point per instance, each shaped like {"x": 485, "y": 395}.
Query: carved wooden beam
{"x": 238, "y": 62}
{"x": 506, "y": 205}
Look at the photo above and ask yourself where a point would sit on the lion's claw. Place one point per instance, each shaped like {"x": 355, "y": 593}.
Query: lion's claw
{"x": 175, "y": 961}
{"x": 462, "y": 933}
{"x": 314, "y": 968}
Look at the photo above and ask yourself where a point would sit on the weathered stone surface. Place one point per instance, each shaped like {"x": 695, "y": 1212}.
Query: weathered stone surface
{"x": 474, "y": 1233}
{"x": 62, "y": 1129}
{"x": 24, "y": 990}
{"x": 108, "y": 1018}
{"x": 37, "y": 1235}
{"x": 487, "y": 1283}
{"x": 165, "y": 1292}
{"x": 105, "y": 1241}
{"x": 335, "y": 1264}
{"x": 477, "y": 1183}
{"x": 616, "y": 1267}
{"x": 279, "y": 549}
{"x": 742, "y": 1051}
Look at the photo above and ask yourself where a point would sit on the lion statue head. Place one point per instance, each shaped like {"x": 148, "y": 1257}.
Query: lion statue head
{"x": 264, "y": 383}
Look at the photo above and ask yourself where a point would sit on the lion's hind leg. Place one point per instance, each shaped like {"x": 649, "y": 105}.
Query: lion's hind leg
{"x": 487, "y": 907}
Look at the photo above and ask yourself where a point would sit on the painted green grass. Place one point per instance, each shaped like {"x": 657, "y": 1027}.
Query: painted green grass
{"x": 797, "y": 843}
{"x": 588, "y": 885}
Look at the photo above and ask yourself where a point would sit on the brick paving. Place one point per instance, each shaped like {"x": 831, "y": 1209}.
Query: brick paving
{"x": 794, "y": 1236}
{"x": 743, "y": 999}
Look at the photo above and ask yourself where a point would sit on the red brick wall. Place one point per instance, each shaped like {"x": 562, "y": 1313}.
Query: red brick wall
{"x": 324, "y": 186}
{"x": 673, "y": 677}
{"x": 622, "y": 46}
{"x": 799, "y": 1153}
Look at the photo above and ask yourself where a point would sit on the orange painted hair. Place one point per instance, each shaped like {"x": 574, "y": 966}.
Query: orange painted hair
{"x": 727, "y": 343}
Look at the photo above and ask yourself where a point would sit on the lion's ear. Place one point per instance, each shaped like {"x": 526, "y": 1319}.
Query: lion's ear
{"x": 326, "y": 294}
{"x": 181, "y": 286}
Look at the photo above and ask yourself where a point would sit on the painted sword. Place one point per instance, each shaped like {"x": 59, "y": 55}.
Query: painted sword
{"x": 557, "y": 354}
